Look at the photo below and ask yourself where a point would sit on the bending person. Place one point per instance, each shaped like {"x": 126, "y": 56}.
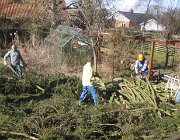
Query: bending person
{"x": 141, "y": 66}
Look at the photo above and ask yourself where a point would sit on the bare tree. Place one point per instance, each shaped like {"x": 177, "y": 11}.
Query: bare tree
{"x": 149, "y": 7}
{"x": 91, "y": 12}
{"x": 170, "y": 18}
{"x": 57, "y": 10}
{"x": 167, "y": 15}
{"x": 92, "y": 15}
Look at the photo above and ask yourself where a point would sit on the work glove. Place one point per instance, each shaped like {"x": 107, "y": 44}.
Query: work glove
{"x": 93, "y": 79}
{"x": 23, "y": 65}
{"x": 140, "y": 72}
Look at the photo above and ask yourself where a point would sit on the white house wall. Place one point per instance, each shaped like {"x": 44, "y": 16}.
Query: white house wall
{"x": 120, "y": 17}
{"x": 152, "y": 25}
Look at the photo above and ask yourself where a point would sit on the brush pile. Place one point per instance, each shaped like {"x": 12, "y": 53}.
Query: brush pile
{"x": 39, "y": 107}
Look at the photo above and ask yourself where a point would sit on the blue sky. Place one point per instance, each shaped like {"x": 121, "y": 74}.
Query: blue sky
{"x": 126, "y": 5}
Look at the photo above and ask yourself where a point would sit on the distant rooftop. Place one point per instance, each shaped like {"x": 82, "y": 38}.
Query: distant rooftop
{"x": 9, "y": 9}
{"x": 136, "y": 17}
{"x": 12, "y": 10}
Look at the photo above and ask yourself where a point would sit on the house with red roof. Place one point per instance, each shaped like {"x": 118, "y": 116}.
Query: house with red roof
{"x": 136, "y": 20}
{"x": 17, "y": 16}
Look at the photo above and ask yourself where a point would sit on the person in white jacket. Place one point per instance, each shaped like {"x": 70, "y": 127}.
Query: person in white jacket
{"x": 87, "y": 84}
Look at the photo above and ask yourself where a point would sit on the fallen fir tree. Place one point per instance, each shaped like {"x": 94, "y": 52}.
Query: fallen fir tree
{"x": 128, "y": 109}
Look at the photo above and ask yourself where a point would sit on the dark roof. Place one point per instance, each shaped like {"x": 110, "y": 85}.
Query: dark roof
{"x": 137, "y": 17}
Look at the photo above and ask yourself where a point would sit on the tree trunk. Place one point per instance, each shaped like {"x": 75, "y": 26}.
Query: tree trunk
{"x": 94, "y": 55}
{"x": 166, "y": 55}
{"x": 167, "y": 49}
{"x": 5, "y": 38}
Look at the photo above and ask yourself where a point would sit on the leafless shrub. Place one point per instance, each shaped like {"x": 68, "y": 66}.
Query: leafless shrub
{"x": 50, "y": 60}
{"x": 47, "y": 61}
{"x": 178, "y": 69}
{"x": 119, "y": 57}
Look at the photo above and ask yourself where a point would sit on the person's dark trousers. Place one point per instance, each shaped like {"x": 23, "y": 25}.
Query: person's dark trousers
{"x": 18, "y": 70}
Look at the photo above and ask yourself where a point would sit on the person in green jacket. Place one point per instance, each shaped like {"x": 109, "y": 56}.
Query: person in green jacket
{"x": 87, "y": 83}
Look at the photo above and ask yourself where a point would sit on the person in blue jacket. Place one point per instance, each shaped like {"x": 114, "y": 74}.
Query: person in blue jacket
{"x": 15, "y": 60}
{"x": 141, "y": 66}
